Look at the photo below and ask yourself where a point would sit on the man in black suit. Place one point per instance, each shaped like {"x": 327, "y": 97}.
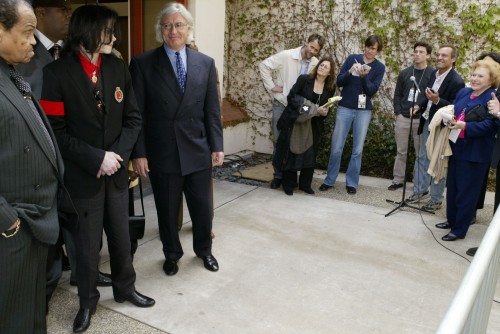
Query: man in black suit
{"x": 88, "y": 96}
{"x": 176, "y": 90}
{"x": 441, "y": 90}
{"x": 51, "y": 31}
{"x": 32, "y": 172}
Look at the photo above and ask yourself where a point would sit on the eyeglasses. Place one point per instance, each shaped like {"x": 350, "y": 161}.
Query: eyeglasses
{"x": 169, "y": 26}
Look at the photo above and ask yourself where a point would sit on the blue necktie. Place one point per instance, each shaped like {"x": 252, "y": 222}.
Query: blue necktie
{"x": 181, "y": 71}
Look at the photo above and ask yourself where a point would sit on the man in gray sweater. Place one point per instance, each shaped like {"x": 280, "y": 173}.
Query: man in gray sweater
{"x": 405, "y": 95}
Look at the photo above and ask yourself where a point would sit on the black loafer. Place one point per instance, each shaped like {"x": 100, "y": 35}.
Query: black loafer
{"x": 324, "y": 187}
{"x": 450, "y": 237}
{"x": 307, "y": 190}
{"x": 170, "y": 267}
{"x": 275, "y": 183}
{"x": 471, "y": 251}
{"x": 350, "y": 190}
{"x": 395, "y": 186}
{"x": 104, "y": 279}
{"x": 137, "y": 299}
{"x": 210, "y": 263}
{"x": 444, "y": 225}
{"x": 82, "y": 319}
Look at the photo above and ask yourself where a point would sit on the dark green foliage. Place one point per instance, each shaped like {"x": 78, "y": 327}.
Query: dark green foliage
{"x": 379, "y": 150}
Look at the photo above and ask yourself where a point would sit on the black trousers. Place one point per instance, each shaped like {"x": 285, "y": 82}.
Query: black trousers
{"x": 112, "y": 203}
{"x": 167, "y": 191}
{"x": 305, "y": 178}
{"x": 22, "y": 283}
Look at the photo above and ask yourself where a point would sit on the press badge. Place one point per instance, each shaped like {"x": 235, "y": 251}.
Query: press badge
{"x": 413, "y": 95}
{"x": 362, "y": 101}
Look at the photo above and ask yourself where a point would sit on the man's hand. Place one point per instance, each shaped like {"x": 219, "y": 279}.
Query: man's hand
{"x": 217, "y": 158}
{"x": 141, "y": 166}
{"x": 110, "y": 164}
{"x": 414, "y": 110}
{"x": 494, "y": 106}
{"x": 432, "y": 95}
{"x": 277, "y": 89}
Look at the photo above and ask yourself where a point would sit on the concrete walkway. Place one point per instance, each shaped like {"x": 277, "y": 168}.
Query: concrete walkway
{"x": 300, "y": 264}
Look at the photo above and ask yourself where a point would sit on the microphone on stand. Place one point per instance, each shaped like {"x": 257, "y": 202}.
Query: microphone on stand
{"x": 412, "y": 78}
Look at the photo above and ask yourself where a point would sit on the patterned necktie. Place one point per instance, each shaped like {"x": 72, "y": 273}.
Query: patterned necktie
{"x": 18, "y": 80}
{"x": 181, "y": 71}
{"x": 54, "y": 51}
{"x": 25, "y": 89}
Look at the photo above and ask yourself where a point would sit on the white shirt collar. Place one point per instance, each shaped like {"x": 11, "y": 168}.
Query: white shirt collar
{"x": 45, "y": 40}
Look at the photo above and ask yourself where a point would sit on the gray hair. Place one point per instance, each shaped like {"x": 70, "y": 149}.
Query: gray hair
{"x": 9, "y": 12}
{"x": 171, "y": 9}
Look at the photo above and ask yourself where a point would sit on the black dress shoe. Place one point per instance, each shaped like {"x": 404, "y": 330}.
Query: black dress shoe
{"x": 307, "y": 190}
{"x": 82, "y": 319}
{"x": 170, "y": 267}
{"x": 471, "y": 251}
{"x": 350, "y": 190}
{"x": 324, "y": 187}
{"x": 444, "y": 225}
{"x": 65, "y": 263}
{"x": 450, "y": 237}
{"x": 395, "y": 186}
{"x": 288, "y": 192}
{"x": 137, "y": 299}
{"x": 210, "y": 263}
{"x": 104, "y": 279}
{"x": 275, "y": 183}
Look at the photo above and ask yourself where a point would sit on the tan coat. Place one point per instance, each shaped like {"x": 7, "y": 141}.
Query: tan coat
{"x": 438, "y": 146}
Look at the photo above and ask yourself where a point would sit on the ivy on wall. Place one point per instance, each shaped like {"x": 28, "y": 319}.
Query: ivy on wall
{"x": 259, "y": 28}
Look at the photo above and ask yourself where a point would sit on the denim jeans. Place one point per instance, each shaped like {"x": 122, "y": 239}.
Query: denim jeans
{"x": 421, "y": 178}
{"x": 277, "y": 110}
{"x": 346, "y": 118}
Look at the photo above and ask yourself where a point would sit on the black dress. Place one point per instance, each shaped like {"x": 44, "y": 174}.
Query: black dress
{"x": 290, "y": 162}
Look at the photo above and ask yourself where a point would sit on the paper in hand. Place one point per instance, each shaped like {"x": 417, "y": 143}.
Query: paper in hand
{"x": 331, "y": 101}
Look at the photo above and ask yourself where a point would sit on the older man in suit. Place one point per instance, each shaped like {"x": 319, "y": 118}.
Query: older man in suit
{"x": 32, "y": 171}
{"x": 441, "y": 90}
{"x": 176, "y": 90}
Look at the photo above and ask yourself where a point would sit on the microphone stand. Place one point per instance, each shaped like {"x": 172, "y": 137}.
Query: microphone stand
{"x": 404, "y": 202}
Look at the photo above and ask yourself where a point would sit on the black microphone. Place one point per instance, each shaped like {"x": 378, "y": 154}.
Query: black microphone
{"x": 412, "y": 78}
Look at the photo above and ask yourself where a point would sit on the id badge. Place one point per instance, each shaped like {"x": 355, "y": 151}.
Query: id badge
{"x": 413, "y": 95}
{"x": 425, "y": 115}
{"x": 362, "y": 101}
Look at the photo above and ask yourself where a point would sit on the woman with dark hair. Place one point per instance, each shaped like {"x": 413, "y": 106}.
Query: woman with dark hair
{"x": 301, "y": 126}
{"x": 88, "y": 97}
{"x": 360, "y": 78}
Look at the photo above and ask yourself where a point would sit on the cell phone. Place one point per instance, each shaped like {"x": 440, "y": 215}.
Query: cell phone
{"x": 432, "y": 90}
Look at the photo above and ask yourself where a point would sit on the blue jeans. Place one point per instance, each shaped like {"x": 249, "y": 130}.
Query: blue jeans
{"x": 277, "y": 110}
{"x": 346, "y": 118}
{"x": 421, "y": 178}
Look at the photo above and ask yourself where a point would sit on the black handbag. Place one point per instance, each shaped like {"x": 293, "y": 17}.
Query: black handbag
{"x": 137, "y": 223}
{"x": 476, "y": 114}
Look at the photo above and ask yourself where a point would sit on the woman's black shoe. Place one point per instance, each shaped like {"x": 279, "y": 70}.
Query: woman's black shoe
{"x": 307, "y": 190}
{"x": 324, "y": 187}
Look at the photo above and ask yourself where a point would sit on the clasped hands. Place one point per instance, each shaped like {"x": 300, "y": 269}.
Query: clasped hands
{"x": 110, "y": 164}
